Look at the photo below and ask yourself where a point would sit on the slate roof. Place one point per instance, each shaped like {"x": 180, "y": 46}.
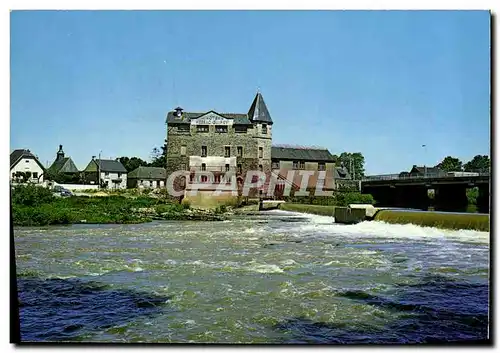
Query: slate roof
{"x": 301, "y": 154}
{"x": 18, "y": 154}
{"x": 185, "y": 118}
{"x": 110, "y": 165}
{"x": 258, "y": 110}
{"x": 148, "y": 173}
{"x": 64, "y": 165}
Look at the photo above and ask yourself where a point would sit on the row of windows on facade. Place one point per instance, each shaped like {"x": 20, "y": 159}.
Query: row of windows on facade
{"x": 219, "y": 128}
{"x": 227, "y": 151}
{"x": 227, "y": 167}
{"x": 107, "y": 174}
{"x": 300, "y": 165}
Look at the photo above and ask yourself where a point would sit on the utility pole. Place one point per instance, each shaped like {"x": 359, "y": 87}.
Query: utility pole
{"x": 425, "y": 157}
{"x": 99, "y": 170}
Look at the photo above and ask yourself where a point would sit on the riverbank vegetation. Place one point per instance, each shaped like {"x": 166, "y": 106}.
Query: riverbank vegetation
{"x": 321, "y": 210}
{"x": 338, "y": 199}
{"x": 37, "y": 206}
{"x": 478, "y": 222}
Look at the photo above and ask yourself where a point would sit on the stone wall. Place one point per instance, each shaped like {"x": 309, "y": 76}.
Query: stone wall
{"x": 216, "y": 143}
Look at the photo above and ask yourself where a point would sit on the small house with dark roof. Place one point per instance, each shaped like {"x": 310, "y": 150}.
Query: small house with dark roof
{"x": 417, "y": 171}
{"x": 147, "y": 177}
{"x": 111, "y": 173}
{"x": 23, "y": 162}
{"x": 63, "y": 165}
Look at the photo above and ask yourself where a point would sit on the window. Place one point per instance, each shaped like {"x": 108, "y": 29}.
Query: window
{"x": 239, "y": 168}
{"x": 227, "y": 167}
{"x": 295, "y": 165}
{"x": 202, "y": 128}
{"x": 203, "y": 167}
{"x": 142, "y": 182}
{"x": 260, "y": 167}
{"x": 302, "y": 165}
{"x": 241, "y": 129}
{"x": 276, "y": 165}
{"x": 203, "y": 151}
{"x": 26, "y": 161}
{"x": 221, "y": 128}
{"x": 183, "y": 150}
{"x": 106, "y": 173}
{"x": 239, "y": 151}
{"x": 264, "y": 129}
{"x": 119, "y": 175}
{"x": 321, "y": 166}
{"x": 204, "y": 178}
{"x": 227, "y": 151}
{"x": 261, "y": 152}
{"x": 184, "y": 128}
{"x": 217, "y": 179}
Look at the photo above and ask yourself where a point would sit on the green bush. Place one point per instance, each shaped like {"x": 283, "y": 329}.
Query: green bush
{"x": 338, "y": 199}
{"x": 30, "y": 195}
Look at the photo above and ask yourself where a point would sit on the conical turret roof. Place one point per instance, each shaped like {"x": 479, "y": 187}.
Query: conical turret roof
{"x": 258, "y": 111}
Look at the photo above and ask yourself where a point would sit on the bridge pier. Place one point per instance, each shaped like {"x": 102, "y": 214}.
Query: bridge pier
{"x": 384, "y": 196}
{"x": 483, "y": 199}
{"x": 413, "y": 197}
{"x": 451, "y": 198}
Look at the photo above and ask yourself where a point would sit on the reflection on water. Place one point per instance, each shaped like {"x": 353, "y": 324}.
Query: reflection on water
{"x": 279, "y": 277}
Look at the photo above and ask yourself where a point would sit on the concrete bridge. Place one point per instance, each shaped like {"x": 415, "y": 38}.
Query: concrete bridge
{"x": 408, "y": 191}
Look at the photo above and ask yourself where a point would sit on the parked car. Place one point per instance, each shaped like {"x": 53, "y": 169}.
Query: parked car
{"x": 60, "y": 191}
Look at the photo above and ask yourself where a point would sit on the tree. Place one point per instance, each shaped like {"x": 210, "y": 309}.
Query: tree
{"x": 132, "y": 163}
{"x": 159, "y": 159}
{"x": 450, "y": 164}
{"x": 478, "y": 164}
{"x": 354, "y": 162}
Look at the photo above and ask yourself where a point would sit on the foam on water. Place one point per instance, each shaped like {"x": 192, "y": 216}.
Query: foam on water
{"x": 374, "y": 229}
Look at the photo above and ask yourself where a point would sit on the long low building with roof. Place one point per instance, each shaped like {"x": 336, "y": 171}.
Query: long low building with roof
{"x": 147, "y": 177}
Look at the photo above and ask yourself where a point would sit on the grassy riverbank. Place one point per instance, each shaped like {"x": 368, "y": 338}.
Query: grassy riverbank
{"x": 37, "y": 206}
{"x": 312, "y": 209}
{"x": 471, "y": 221}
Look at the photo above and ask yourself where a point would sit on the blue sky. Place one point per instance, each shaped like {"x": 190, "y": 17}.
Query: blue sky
{"x": 377, "y": 82}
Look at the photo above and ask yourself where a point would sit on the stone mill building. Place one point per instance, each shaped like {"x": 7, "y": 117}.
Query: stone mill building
{"x": 219, "y": 142}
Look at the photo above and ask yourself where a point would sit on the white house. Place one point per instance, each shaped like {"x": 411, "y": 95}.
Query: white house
{"x": 110, "y": 173}
{"x": 24, "y": 161}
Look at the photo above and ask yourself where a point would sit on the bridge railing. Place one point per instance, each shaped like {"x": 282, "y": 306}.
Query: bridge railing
{"x": 425, "y": 176}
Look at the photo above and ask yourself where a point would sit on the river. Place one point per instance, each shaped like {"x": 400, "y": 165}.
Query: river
{"x": 279, "y": 277}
